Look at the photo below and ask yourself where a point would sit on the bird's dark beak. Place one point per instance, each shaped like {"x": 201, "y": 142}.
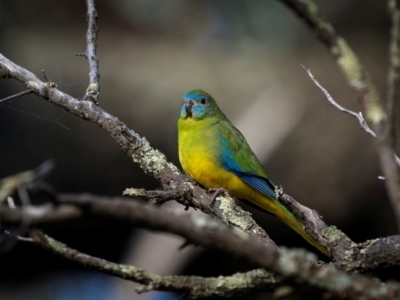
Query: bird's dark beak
{"x": 188, "y": 107}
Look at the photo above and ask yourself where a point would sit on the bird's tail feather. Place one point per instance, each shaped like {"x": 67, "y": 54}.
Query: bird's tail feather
{"x": 286, "y": 216}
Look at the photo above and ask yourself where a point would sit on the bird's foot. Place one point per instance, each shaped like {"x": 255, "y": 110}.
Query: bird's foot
{"x": 217, "y": 192}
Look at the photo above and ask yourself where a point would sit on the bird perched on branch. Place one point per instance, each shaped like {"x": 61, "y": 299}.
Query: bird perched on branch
{"x": 216, "y": 155}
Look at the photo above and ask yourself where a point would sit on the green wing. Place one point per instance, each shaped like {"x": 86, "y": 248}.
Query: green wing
{"x": 236, "y": 156}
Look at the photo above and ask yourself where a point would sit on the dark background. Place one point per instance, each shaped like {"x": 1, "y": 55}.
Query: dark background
{"x": 247, "y": 54}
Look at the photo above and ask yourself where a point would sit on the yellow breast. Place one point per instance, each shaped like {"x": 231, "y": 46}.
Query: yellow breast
{"x": 198, "y": 153}
{"x": 199, "y": 156}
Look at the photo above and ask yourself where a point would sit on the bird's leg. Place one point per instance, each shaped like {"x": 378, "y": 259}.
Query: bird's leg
{"x": 217, "y": 192}
{"x": 192, "y": 181}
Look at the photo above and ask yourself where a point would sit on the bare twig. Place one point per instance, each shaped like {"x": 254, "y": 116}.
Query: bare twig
{"x": 49, "y": 82}
{"x": 359, "y": 115}
{"x": 18, "y": 237}
{"x": 155, "y": 197}
{"x": 22, "y": 227}
{"x": 16, "y": 95}
{"x": 93, "y": 90}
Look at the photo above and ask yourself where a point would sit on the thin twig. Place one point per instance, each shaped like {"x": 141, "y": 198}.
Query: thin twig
{"x": 358, "y": 116}
{"x": 196, "y": 287}
{"x": 17, "y": 95}
{"x": 48, "y": 82}
{"x": 15, "y": 234}
{"x": 93, "y": 90}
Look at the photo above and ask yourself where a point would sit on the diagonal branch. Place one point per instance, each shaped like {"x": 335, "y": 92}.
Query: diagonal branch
{"x": 16, "y": 95}
{"x": 358, "y": 116}
{"x": 359, "y": 80}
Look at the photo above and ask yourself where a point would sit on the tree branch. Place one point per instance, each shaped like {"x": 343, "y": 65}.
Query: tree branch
{"x": 348, "y": 255}
{"x": 359, "y": 80}
{"x": 358, "y": 116}
{"x": 290, "y": 264}
{"x": 93, "y": 90}
{"x": 16, "y": 95}
{"x": 195, "y": 287}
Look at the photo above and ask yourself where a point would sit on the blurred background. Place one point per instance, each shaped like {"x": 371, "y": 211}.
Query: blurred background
{"x": 151, "y": 52}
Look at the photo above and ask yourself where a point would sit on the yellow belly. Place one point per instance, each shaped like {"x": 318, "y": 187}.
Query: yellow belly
{"x": 211, "y": 174}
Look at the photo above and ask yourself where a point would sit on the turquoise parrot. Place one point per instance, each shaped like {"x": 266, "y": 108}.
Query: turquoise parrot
{"x": 216, "y": 155}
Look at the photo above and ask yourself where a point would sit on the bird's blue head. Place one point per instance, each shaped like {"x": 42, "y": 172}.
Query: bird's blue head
{"x": 198, "y": 105}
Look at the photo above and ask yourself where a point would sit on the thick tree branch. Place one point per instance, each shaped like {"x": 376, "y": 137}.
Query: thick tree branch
{"x": 348, "y": 255}
{"x": 359, "y": 80}
{"x": 290, "y": 264}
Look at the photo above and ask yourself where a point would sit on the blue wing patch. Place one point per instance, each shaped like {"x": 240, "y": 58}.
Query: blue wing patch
{"x": 261, "y": 184}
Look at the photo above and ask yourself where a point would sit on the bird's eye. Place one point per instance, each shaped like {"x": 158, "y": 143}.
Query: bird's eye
{"x": 203, "y": 101}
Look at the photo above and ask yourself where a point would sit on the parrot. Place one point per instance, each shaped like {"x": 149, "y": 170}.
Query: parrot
{"x": 216, "y": 155}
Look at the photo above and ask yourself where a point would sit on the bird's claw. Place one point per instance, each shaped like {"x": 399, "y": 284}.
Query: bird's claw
{"x": 217, "y": 192}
